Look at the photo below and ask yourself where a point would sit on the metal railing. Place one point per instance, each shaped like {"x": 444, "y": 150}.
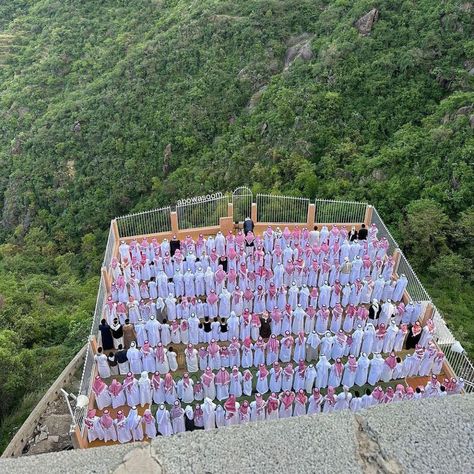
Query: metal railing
{"x": 339, "y": 212}
{"x": 204, "y": 213}
{"x": 383, "y": 231}
{"x": 86, "y": 385}
{"x": 109, "y": 248}
{"x": 415, "y": 288}
{"x": 457, "y": 358}
{"x": 242, "y": 199}
{"x": 99, "y": 306}
{"x": 281, "y": 209}
{"x": 143, "y": 223}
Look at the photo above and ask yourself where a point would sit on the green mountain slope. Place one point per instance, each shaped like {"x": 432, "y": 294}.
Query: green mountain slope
{"x": 91, "y": 94}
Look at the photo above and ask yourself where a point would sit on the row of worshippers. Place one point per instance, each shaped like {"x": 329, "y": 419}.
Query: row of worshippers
{"x": 259, "y": 291}
{"x": 152, "y": 258}
{"x": 288, "y": 403}
{"x": 269, "y": 241}
{"x": 195, "y": 330}
{"x": 224, "y": 301}
{"x": 247, "y": 353}
{"x": 223, "y": 383}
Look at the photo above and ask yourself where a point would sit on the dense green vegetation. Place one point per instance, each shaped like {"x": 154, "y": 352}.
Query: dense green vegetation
{"x": 91, "y": 93}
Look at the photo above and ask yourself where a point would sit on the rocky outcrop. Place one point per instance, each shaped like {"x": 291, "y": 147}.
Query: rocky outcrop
{"x": 300, "y": 49}
{"x": 365, "y": 23}
{"x": 255, "y": 99}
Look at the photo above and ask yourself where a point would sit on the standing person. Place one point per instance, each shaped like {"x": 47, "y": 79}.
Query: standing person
{"x": 209, "y": 414}
{"x": 315, "y": 402}
{"x": 247, "y": 383}
{"x": 185, "y": 389}
{"x": 108, "y": 427}
{"x": 177, "y": 418}
{"x": 222, "y": 381}
{"x": 362, "y": 234}
{"x": 102, "y": 363}
{"x": 244, "y": 413}
{"x": 94, "y": 428}
{"x": 300, "y": 403}
{"x": 248, "y": 225}
{"x": 235, "y": 382}
{"x": 117, "y": 394}
{"x": 124, "y": 435}
{"x": 208, "y": 384}
{"x": 122, "y": 360}
{"x": 102, "y": 395}
{"x": 231, "y": 408}
{"x": 134, "y": 357}
{"x": 132, "y": 392}
{"x": 106, "y": 335}
{"x": 163, "y": 421}
{"x": 172, "y": 359}
{"x": 117, "y": 333}
{"x": 272, "y": 407}
{"x": 191, "y": 355}
{"x": 189, "y": 418}
{"x": 113, "y": 365}
{"x": 257, "y": 408}
{"x": 149, "y": 422}
{"x": 262, "y": 379}
{"x": 144, "y": 387}
{"x": 129, "y": 334}
{"x": 286, "y": 404}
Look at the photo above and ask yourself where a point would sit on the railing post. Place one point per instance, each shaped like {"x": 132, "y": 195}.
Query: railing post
{"x": 396, "y": 260}
{"x": 78, "y": 442}
{"x": 114, "y": 226}
{"x": 174, "y": 222}
{"x": 106, "y": 276}
{"x": 93, "y": 342}
{"x": 310, "y": 218}
{"x": 368, "y": 214}
{"x": 254, "y": 212}
{"x": 230, "y": 210}
{"x": 427, "y": 314}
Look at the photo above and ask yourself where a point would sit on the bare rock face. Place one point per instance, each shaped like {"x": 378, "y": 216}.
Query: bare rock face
{"x": 255, "y": 99}
{"x": 365, "y": 23}
{"x": 300, "y": 49}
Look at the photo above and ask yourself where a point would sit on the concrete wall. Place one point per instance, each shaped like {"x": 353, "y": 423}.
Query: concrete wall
{"x": 21, "y": 437}
{"x": 432, "y": 435}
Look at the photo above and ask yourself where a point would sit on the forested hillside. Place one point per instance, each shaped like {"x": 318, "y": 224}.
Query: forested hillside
{"x": 284, "y": 96}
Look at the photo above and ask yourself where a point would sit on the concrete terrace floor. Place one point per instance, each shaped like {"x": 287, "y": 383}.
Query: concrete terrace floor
{"x": 431, "y": 435}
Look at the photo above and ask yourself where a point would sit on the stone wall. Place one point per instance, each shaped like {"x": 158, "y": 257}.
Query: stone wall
{"x": 431, "y": 435}
{"x": 15, "y": 448}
